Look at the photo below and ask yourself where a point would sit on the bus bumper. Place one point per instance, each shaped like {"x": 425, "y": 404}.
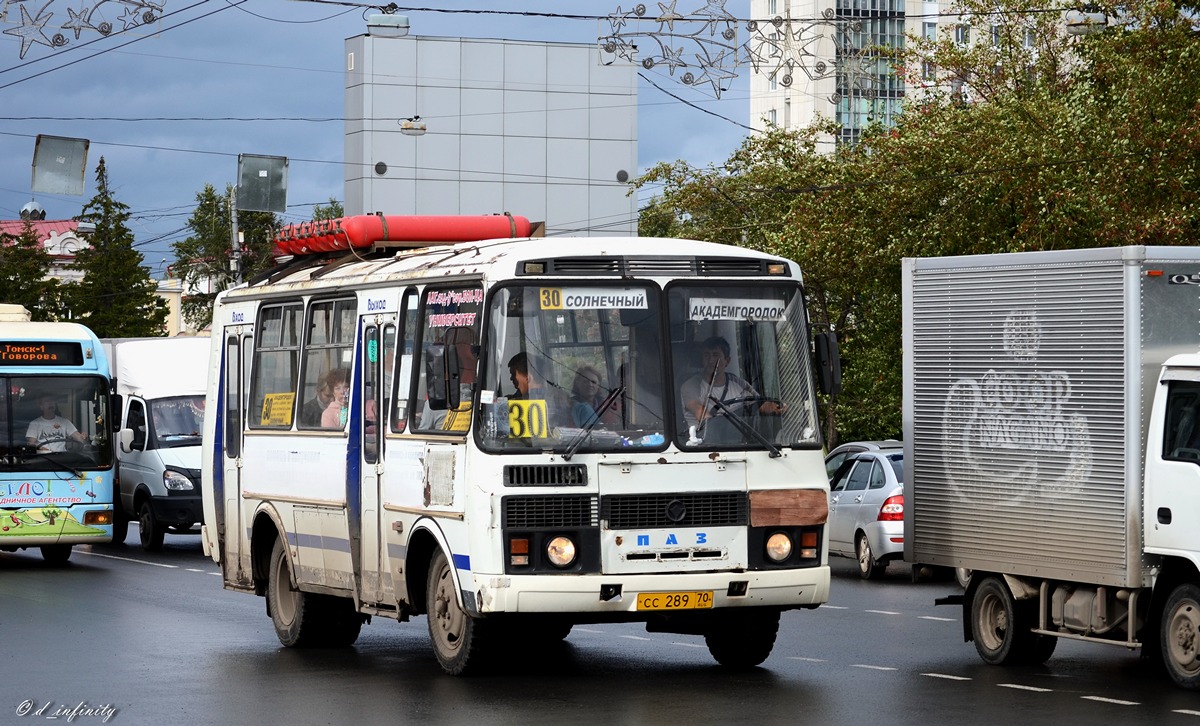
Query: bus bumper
{"x": 634, "y": 594}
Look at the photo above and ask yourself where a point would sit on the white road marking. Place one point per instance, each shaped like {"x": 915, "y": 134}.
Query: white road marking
{"x": 587, "y": 630}
{"x": 835, "y": 607}
{"x": 874, "y": 667}
{"x": 215, "y": 573}
{"x": 1116, "y": 701}
{"x": 634, "y": 637}
{"x": 940, "y": 620}
{"x": 1025, "y": 688}
{"x": 946, "y": 676}
{"x": 882, "y": 612}
{"x": 193, "y": 569}
{"x": 690, "y": 645}
{"x": 807, "y": 660}
{"x": 1186, "y": 712}
{"x": 128, "y": 559}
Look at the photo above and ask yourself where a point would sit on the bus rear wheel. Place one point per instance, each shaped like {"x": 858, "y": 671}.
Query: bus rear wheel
{"x": 742, "y": 639}
{"x": 293, "y": 613}
{"x": 459, "y": 640}
{"x": 56, "y": 554}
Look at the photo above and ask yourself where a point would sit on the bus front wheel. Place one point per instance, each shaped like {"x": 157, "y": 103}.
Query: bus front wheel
{"x": 56, "y": 554}
{"x": 459, "y": 640}
{"x": 742, "y": 639}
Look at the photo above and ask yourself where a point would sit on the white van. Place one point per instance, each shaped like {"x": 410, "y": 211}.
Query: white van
{"x": 162, "y": 383}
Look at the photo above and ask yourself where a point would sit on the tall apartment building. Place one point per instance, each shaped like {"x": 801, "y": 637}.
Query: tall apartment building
{"x": 835, "y": 70}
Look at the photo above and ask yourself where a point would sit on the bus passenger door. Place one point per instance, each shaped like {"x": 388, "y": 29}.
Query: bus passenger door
{"x": 231, "y": 529}
{"x": 379, "y": 333}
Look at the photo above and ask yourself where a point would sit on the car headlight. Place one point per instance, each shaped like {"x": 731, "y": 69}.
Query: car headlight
{"x": 779, "y": 547}
{"x": 560, "y": 551}
{"x": 176, "y": 481}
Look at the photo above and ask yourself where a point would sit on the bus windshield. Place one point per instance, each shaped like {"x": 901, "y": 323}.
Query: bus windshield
{"x": 589, "y": 367}
{"x": 49, "y": 421}
{"x": 741, "y": 367}
{"x": 574, "y": 367}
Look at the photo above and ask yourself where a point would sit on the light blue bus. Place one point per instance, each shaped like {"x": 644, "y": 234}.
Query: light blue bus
{"x": 56, "y": 444}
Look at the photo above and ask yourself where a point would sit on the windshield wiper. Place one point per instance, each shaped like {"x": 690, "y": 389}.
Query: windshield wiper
{"x": 59, "y": 464}
{"x": 583, "y": 435}
{"x": 745, "y": 428}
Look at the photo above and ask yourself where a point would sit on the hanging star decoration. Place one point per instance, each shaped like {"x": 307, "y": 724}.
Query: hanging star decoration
{"x": 98, "y": 17}
{"x": 703, "y": 45}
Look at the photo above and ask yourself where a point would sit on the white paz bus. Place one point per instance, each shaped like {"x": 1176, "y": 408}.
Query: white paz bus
{"x": 512, "y": 435}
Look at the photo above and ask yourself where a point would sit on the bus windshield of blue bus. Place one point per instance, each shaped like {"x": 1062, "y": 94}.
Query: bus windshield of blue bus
{"x": 49, "y": 422}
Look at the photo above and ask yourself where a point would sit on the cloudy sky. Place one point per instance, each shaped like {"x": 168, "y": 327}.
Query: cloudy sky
{"x": 167, "y": 104}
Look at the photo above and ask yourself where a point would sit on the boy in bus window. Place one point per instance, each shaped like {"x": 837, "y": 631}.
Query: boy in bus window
{"x": 50, "y": 431}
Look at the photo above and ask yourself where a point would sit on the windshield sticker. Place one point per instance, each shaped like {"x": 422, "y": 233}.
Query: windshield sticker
{"x": 723, "y": 308}
{"x": 591, "y": 298}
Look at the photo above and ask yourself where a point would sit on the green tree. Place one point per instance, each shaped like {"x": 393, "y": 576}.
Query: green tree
{"x": 116, "y": 297}
{"x": 26, "y": 263}
{"x": 202, "y": 260}
{"x": 1025, "y": 139}
{"x": 331, "y": 211}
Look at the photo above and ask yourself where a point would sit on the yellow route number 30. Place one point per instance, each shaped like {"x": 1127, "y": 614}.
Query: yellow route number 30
{"x": 528, "y": 419}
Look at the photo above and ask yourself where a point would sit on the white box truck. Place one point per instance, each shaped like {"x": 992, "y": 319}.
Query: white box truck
{"x": 162, "y": 383}
{"x": 1052, "y": 446}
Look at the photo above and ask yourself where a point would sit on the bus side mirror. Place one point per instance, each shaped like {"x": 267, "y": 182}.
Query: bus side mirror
{"x": 115, "y": 414}
{"x": 436, "y": 379}
{"x": 829, "y": 364}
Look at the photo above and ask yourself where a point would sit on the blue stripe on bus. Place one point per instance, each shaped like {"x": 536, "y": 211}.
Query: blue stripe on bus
{"x": 319, "y": 542}
{"x": 218, "y": 462}
{"x": 462, "y": 562}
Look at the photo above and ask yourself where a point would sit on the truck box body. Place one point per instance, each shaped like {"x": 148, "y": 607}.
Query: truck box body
{"x": 1028, "y": 380}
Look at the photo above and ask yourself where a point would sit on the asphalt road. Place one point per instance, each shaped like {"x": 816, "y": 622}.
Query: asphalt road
{"x": 154, "y": 639}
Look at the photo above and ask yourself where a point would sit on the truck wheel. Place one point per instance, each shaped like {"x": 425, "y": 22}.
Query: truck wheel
{"x": 150, "y": 531}
{"x": 742, "y": 639}
{"x": 1001, "y": 627}
{"x": 120, "y": 525}
{"x": 868, "y": 567}
{"x": 1180, "y": 636}
{"x": 56, "y": 555}
{"x": 460, "y": 641}
{"x": 293, "y": 613}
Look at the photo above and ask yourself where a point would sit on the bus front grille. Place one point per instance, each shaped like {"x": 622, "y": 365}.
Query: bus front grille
{"x": 549, "y": 512}
{"x": 545, "y": 475}
{"x": 637, "y": 511}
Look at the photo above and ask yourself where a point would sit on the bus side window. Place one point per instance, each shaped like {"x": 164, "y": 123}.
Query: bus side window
{"x": 406, "y": 346}
{"x": 276, "y": 360}
{"x": 327, "y": 347}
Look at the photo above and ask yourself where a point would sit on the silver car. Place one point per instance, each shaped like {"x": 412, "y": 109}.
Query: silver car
{"x": 866, "y": 509}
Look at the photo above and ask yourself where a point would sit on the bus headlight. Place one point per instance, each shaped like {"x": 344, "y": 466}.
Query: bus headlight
{"x": 560, "y": 551}
{"x": 779, "y": 547}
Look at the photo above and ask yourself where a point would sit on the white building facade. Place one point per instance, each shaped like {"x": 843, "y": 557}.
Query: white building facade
{"x": 840, "y": 71}
{"x": 541, "y": 130}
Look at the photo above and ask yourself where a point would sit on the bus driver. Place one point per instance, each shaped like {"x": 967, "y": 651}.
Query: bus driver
{"x": 50, "y": 432}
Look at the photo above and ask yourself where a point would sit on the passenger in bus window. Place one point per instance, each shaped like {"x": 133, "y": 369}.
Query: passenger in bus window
{"x": 310, "y": 412}
{"x": 50, "y": 431}
{"x": 587, "y": 395}
{"x": 336, "y": 386}
{"x": 532, "y": 387}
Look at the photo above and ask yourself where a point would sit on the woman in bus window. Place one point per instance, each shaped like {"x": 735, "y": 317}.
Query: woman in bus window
{"x": 335, "y": 385}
